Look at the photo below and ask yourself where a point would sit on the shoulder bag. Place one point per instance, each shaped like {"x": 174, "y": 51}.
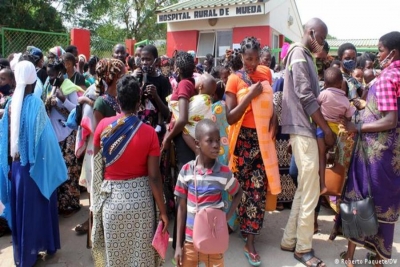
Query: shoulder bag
{"x": 359, "y": 216}
{"x": 210, "y": 230}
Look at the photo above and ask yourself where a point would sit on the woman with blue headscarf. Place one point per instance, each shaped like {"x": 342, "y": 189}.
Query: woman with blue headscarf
{"x": 30, "y": 151}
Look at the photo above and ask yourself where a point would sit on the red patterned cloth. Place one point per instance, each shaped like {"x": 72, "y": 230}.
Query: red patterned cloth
{"x": 388, "y": 87}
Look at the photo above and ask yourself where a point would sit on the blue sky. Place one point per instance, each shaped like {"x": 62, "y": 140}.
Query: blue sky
{"x": 355, "y": 19}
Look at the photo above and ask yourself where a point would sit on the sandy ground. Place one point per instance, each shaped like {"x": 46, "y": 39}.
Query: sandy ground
{"x": 74, "y": 252}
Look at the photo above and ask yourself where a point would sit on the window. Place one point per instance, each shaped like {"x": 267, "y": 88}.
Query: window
{"x": 206, "y": 44}
{"x": 275, "y": 47}
{"x": 214, "y": 43}
{"x": 224, "y": 41}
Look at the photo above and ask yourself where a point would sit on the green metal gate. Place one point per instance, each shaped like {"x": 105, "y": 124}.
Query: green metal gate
{"x": 16, "y": 40}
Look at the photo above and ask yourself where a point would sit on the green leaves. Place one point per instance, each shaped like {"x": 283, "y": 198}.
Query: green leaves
{"x": 117, "y": 19}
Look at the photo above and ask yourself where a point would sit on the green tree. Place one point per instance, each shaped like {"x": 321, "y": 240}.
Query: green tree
{"x": 31, "y": 15}
{"x": 113, "y": 19}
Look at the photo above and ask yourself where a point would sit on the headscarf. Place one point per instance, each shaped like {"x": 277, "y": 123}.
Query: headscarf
{"x": 34, "y": 51}
{"x": 25, "y": 74}
{"x": 82, "y": 56}
{"x": 107, "y": 70}
{"x": 58, "y": 51}
{"x": 284, "y": 50}
{"x": 15, "y": 60}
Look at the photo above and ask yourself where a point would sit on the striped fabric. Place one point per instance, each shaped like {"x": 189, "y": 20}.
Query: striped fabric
{"x": 210, "y": 184}
{"x": 388, "y": 87}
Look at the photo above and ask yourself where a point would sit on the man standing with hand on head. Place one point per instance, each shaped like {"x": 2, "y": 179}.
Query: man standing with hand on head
{"x": 300, "y": 114}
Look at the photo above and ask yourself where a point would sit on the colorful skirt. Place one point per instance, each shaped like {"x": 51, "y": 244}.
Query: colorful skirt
{"x": 124, "y": 221}
{"x": 287, "y": 183}
{"x": 69, "y": 192}
{"x": 34, "y": 218}
{"x": 251, "y": 176}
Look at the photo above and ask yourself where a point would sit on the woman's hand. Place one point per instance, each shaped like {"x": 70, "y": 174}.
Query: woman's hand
{"x": 255, "y": 90}
{"x": 166, "y": 144}
{"x": 60, "y": 95}
{"x": 164, "y": 219}
{"x": 348, "y": 125}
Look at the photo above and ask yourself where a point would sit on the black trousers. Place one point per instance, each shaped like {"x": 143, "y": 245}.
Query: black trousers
{"x": 183, "y": 154}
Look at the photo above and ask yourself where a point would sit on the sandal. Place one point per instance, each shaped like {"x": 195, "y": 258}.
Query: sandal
{"x": 309, "y": 256}
{"x": 82, "y": 228}
{"x": 280, "y": 207}
{"x": 287, "y": 249}
{"x": 253, "y": 258}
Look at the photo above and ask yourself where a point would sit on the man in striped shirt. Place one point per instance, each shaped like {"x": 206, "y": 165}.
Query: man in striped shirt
{"x": 211, "y": 179}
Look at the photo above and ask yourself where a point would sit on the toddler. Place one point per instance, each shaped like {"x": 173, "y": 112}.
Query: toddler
{"x": 334, "y": 104}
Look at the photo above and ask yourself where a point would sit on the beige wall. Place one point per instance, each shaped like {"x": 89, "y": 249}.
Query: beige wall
{"x": 222, "y": 23}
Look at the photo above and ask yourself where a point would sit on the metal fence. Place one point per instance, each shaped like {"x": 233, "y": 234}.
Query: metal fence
{"x": 101, "y": 47}
{"x": 16, "y": 40}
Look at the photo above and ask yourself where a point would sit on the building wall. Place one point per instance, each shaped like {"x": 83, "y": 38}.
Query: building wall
{"x": 184, "y": 35}
{"x": 263, "y": 33}
{"x": 279, "y": 12}
{"x": 222, "y": 23}
{"x": 182, "y": 40}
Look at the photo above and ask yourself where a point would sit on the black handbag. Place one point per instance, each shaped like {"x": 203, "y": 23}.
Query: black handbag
{"x": 358, "y": 216}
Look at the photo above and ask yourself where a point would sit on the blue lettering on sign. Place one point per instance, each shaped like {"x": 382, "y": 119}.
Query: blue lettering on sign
{"x": 248, "y": 10}
{"x": 209, "y": 13}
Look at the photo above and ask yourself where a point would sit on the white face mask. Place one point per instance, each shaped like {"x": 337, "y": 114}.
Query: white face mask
{"x": 386, "y": 62}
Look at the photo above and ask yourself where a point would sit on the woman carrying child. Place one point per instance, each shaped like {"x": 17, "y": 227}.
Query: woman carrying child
{"x": 253, "y": 159}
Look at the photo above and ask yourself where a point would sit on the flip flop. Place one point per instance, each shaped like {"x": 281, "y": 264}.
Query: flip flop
{"x": 308, "y": 257}
{"x": 250, "y": 256}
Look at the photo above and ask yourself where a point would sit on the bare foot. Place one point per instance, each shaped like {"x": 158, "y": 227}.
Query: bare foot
{"x": 323, "y": 190}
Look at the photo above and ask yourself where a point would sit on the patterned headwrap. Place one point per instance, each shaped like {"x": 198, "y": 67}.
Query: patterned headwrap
{"x": 58, "y": 51}
{"x": 34, "y": 51}
{"x": 107, "y": 70}
{"x": 82, "y": 56}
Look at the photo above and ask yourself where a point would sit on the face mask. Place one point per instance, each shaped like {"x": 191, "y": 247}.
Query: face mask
{"x": 315, "y": 46}
{"x": 349, "y": 65}
{"x": 5, "y": 89}
{"x": 386, "y": 62}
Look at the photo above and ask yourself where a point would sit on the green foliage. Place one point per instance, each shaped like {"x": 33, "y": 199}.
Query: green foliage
{"x": 31, "y": 15}
{"x": 116, "y": 19}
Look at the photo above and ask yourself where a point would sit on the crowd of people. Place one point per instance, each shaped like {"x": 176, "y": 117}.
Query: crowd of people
{"x": 153, "y": 138}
